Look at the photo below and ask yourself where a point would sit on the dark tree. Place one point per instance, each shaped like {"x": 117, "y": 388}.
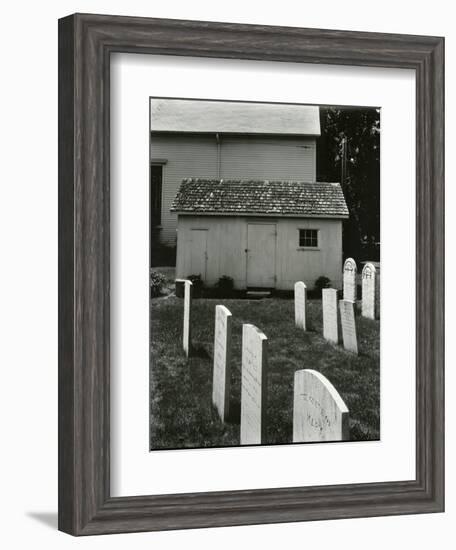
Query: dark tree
{"x": 349, "y": 152}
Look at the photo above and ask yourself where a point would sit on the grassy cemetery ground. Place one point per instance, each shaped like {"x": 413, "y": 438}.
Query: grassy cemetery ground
{"x": 182, "y": 414}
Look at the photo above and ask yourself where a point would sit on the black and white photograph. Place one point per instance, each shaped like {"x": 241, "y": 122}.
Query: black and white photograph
{"x": 264, "y": 273}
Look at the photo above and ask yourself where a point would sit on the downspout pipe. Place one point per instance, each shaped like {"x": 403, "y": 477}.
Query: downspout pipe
{"x": 219, "y": 154}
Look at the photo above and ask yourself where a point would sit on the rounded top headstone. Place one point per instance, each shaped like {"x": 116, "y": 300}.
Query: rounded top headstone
{"x": 319, "y": 412}
{"x": 368, "y": 271}
{"x": 350, "y": 265}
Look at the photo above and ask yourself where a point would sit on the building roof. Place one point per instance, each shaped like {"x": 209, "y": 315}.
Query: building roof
{"x": 235, "y": 117}
{"x": 254, "y": 197}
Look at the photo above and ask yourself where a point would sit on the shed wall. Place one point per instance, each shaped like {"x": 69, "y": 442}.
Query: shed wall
{"x": 227, "y": 244}
{"x": 241, "y": 157}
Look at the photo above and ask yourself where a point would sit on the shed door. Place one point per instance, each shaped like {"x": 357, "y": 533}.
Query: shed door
{"x": 198, "y": 261}
{"x": 261, "y": 255}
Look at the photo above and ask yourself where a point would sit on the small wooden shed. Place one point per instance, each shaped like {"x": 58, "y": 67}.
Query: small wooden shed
{"x": 262, "y": 234}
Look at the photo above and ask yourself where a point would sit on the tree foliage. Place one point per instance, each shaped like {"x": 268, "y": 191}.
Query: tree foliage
{"x": 349, "y": 152}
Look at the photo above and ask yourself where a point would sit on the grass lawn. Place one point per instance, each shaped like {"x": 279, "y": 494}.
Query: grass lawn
{"x": 181, "y": 412}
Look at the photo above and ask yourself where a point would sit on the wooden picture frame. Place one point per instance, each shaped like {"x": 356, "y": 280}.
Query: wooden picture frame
{"x": 85, "y": 45}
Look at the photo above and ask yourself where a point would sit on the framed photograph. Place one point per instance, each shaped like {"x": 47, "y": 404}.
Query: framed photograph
{"x": 251, "y": 254}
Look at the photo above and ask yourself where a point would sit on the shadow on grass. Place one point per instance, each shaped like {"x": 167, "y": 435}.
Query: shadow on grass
{"x": 199, "y": 351}
{"x": 235, "y": 411}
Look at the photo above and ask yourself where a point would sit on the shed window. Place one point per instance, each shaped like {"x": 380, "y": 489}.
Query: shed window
{"x": 308, "y": 237}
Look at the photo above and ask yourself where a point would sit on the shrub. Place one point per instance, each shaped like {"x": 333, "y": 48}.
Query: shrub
{"x": 225, "y": 287}
{"x": 321, "y": 283}
{"x": 157, "y": 282}
{"x": 198, "y": 284}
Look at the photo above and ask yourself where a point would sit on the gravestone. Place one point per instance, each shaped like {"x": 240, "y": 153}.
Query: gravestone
{"x": 253, "y": 385}
{"x": 179, "y": 287}
{"x": 330, "y": 323}
{"x": 377, "y": 291}
{"x": 349, "y": 276}
{"x": 222, "y": 367}
{"x": 347, "y": 318}
{"x": 300, "y": 298}
{"x": 369, "y": 288}
{"x": 377, "y": 287}
{"x": 319, "y": 412}
{"x": 187, "y": 338}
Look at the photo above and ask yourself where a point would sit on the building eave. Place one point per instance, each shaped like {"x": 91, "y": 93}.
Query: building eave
{"x": 261, "y": 215}
{"x": 235, "y": 134}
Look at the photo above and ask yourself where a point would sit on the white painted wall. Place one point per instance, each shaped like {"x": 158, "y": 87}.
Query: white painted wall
{"x": 273, "y": 158}
{"x": 227, "y": 243}
{"x": 187, "y": 157}
{"x": 298, "y": 264}
{"x": 241, "y": 157}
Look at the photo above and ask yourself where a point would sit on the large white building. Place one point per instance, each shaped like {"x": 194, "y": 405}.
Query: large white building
{"x": 234, "y": 185}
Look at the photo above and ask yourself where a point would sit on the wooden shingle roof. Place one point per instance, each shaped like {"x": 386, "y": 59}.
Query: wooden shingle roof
{"x": 260, "y": 197}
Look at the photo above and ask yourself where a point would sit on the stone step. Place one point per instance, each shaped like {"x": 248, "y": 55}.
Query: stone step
{"x": 258, "y": 294}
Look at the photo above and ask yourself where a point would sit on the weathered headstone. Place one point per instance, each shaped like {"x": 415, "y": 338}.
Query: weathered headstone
{"x": 377, "y": 291}
{"x": 319, "y": 412}
{"x": 222, "y": 356}
{"x": 187, "y": 338}
{"x": 330, "y": 323}
{"x": 350, "y": 271}
{"x": 300, "y": 299}
{"x": 347, "y": 318}
{"x": 377, "y": 287}
{"x": 179, "y": 287}
{"x": 253, "y": 385}
{"x": 369, "y": 288}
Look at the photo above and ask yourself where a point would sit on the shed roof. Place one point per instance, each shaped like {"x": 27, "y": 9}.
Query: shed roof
{"x": 200, "y": 116}
{"x": 260, "y": 197}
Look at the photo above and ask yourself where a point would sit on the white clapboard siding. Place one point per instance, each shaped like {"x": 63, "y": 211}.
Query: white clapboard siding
{"x": 274, "y": 158}
{"x": 187, "y": 157}
{"x": 241, "y": 157}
